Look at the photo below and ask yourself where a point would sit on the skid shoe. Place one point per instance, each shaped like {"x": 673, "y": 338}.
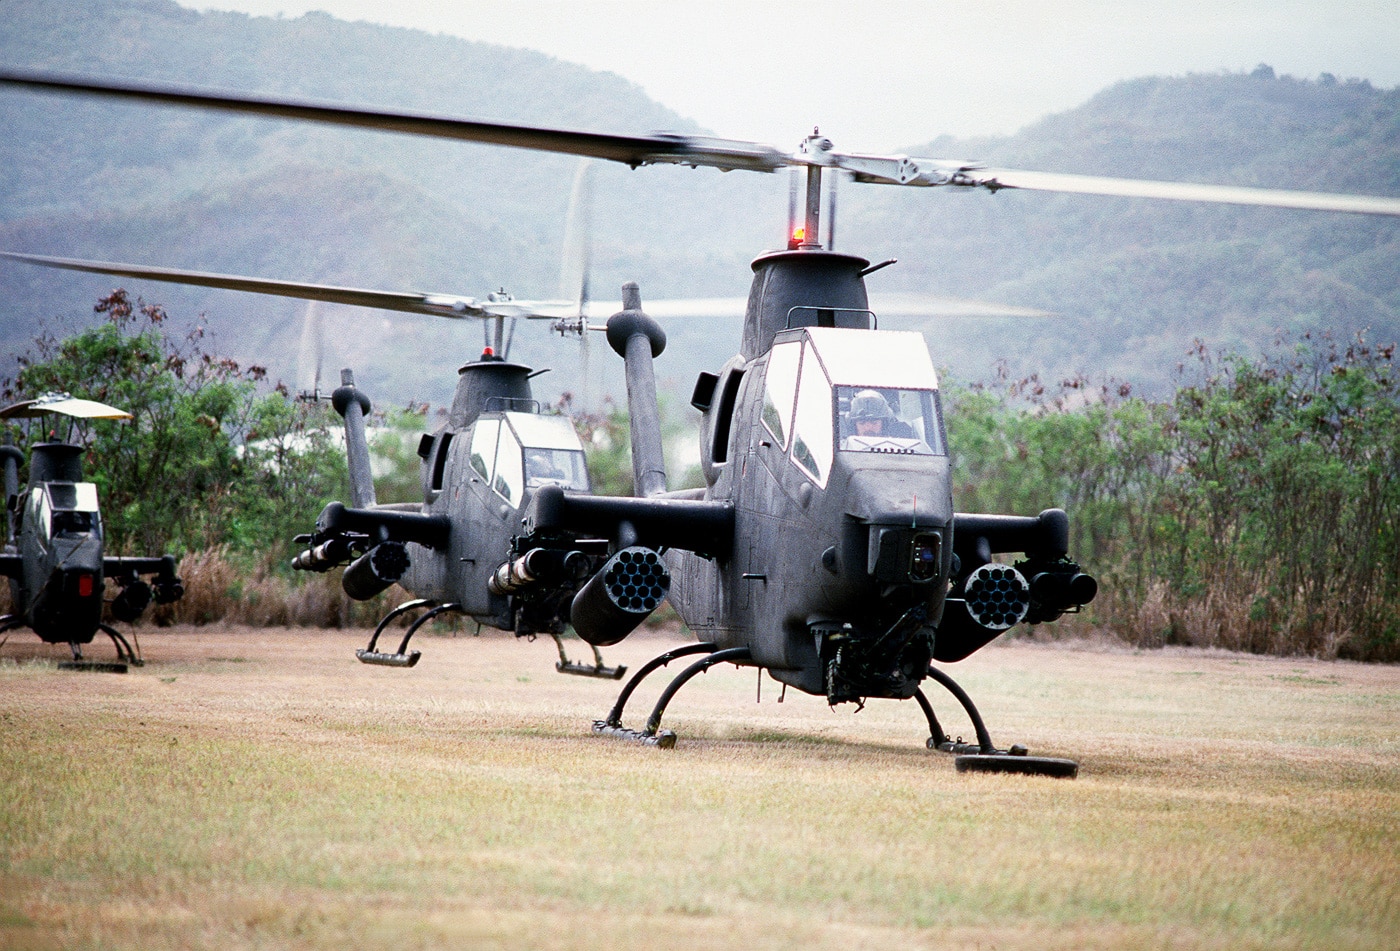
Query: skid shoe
{"x": 595, "y": 669}
{"x": 1010, "y": 762}
{"x": 403, "y": 657}
{"x": 652, "y": 734}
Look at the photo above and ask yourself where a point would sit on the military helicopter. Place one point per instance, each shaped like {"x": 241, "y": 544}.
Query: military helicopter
{"x": 479, "y": 470}
{"x": 456, "y": 552}
{"x": 55, "y": 565}
{"x": 823, "y": 548}
{"x": 382, "y": 548}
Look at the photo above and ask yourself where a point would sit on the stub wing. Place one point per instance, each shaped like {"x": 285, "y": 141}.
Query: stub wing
{"x": 704, "y": 527}
{"x": 115, "y": 566}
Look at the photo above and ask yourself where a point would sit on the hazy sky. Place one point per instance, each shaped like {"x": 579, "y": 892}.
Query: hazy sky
{"x": 879, "y": 74}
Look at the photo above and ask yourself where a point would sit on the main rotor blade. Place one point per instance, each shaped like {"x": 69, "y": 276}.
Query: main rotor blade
{"x": 936, "y": 172}
{"x": 438, "y": 305}
{"x": 893, "y": 304}
{"x": 576, "y": 262}
{"x": 995, "y": 178}
{"x": 310, "y": 351}
{"x": 727, "y": 154}
{"x": 899, "y": 304}
{"x": 631, "y": 150}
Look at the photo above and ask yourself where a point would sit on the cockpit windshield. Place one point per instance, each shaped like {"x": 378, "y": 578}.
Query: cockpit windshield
{"x": 67, "y": 523}
{"x": 885, "y": 391}
{"x": 857, "y": 391}
{"x": 553, "y": 454}
{"x": 889, "y": 420}
{"x": 65, "y": 509}
{"x": 562, "y": 467}
{"x": 78, "y": 496}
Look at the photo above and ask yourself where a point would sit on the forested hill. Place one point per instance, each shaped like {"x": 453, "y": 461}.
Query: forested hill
{"x": 1134, "y": 281}
{"x": 93, "y": 179}
{"x": 1137, "y": 279}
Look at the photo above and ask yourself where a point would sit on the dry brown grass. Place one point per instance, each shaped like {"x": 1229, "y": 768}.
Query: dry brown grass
{"x": 219, "y": 589}
{"x": 258, "y": 788}
{"x": 1219, "y": 617}
{"x": 223, "y": 587}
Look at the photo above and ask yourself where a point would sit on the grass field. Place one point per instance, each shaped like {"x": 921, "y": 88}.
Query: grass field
{"x": 260, "y": 789}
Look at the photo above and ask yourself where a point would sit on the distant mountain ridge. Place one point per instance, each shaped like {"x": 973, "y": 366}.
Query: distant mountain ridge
{"x": 1138, "y": 279}
{"x": 1135, "y": 281}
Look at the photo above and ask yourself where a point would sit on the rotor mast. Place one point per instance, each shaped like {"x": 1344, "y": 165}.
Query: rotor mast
{"x": 815, "y": 154}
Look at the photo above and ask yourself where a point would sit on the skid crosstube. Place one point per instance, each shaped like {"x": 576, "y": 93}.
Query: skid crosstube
{"x": 984, "y": 757}
{"x": 652, "y": 735}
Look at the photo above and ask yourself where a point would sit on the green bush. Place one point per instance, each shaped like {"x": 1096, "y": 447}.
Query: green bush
{"x": 1257, "y": 508}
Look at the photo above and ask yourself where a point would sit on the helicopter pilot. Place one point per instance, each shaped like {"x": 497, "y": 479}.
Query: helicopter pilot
{"x": 870, "y": 415}
{"x": 541, "y": 468}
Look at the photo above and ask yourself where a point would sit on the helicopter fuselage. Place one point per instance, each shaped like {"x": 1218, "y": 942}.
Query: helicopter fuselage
{"x": 59, "y": 587}
{"x": 841, "y": 536}
{"x": 479, "y": 470}
{"x": 57, "y": 569}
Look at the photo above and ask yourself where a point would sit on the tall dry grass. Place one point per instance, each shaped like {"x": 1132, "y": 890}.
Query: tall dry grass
{"x": 1221, "y": 618}
{"x": 221, "y": 588}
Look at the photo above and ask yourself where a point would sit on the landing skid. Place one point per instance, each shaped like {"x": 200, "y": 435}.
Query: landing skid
{"x": 125, "y": 656}
{"x": 980, "y": 757}
{"x": 596, "y": 669}
{"x": 983, "y": 756}
{"x": 403, "y": 657}
{"x": 93, "y": 666}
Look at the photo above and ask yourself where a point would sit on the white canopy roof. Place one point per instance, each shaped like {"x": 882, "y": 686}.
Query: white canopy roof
{"x": 65, "y": 404}
{"x": 886, "y": 358}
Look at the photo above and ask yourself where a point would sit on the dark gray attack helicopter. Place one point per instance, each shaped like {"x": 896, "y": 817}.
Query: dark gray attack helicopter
{"x": 454, "y": 551}
{"x": 823, "y": 548}
{"x": 479, "y": 470}
{"x": 53, "y": 552}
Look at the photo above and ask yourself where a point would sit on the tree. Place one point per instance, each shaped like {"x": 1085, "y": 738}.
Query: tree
{"x": 1257, "y": 508}
{"x": 206, "y": 460}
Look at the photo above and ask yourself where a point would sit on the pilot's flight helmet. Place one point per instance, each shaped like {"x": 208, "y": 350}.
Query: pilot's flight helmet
{"x": 869, "y": 404}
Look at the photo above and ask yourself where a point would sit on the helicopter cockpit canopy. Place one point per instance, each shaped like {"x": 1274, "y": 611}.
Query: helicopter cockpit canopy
{"x": 830, "y": 388}
{"x": 515, "y": 451}
{"x": 886, "y": 419}
{"x": 63, "y": 509}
